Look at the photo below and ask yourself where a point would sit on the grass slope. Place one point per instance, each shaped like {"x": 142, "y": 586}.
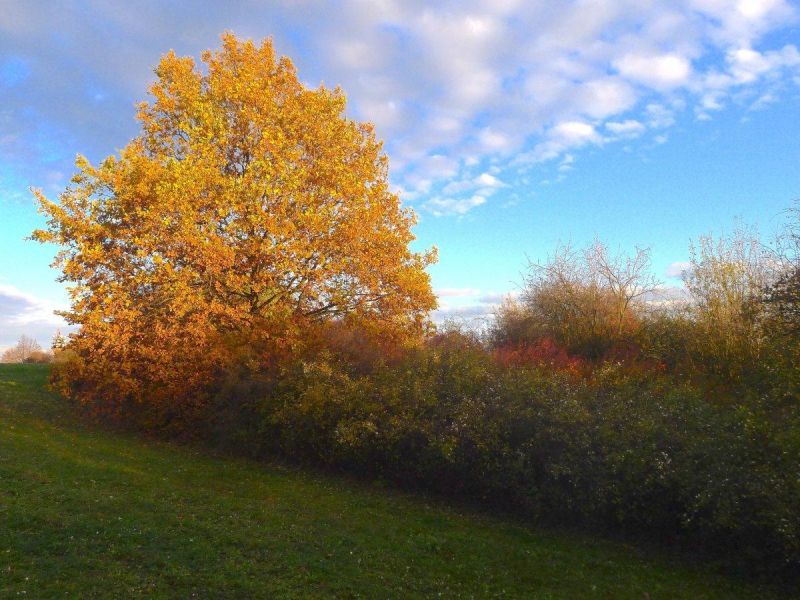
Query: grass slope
{"x": 88, "y": 513}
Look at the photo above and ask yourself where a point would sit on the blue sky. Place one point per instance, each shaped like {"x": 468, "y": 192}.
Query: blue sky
{"x": 510, "y": 125}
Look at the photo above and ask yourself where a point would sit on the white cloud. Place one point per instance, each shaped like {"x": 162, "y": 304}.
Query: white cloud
{"x": 496, "y": 298}
{"x": 386, "y": 114}
{"x": 473, "y": 313}
{"x": 19, "y": 307}
{"x": 755, "y": 9}
{"x": 603, "y": 97}
{"x": 487, "y": 180}
{"x": 663, "y": 72}
{"x": 574, "y": 133}
{"x": 659, "y": 116}
{"x": 748, "y": 65}
{"x": 567, "y": 163}
{"x": 733, "y": 22}
{"x": 440, "y": 206}
{"x": 677, "y": 269}
{"x": 461, "y": 195}
{"x": 492, "y": 140}
{"x": 472, "y": 305}
{"x": 442, "y": 166}
{"x": 627, "y": 128}
{"x": 562, "y": 137}
{"x": 744, "y": 68}
{"x": 450, "y": 86}
{"x": 764, "y": 100}
{"x": 354, "y": 53}
{"x": 668, "y": 296}
{"x": 25, "y": 314}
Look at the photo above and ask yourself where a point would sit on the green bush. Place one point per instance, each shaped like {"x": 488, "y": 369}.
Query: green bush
{"x": 619, "y": 448}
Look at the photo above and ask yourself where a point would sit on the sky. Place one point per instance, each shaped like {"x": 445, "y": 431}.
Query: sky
{"x": 511, "y": 126}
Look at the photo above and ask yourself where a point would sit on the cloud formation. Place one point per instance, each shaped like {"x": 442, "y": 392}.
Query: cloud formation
{"x": 470, "y": 305}
{"x": 678, "y": 269}
{"x": 24, "y": 314}
{"x": 456, "y": 88}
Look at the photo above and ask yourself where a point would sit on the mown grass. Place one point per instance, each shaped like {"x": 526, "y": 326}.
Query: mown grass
{"x": 88, "y": 513}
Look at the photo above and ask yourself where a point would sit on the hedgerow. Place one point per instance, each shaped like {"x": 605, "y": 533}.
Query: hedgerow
{"x": 616, "y": 448}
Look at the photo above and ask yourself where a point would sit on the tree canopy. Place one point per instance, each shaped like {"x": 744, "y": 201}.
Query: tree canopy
{"x": 247, "y": 211}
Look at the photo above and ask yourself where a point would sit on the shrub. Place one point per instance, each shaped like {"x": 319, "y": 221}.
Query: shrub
{"x": 584, "y": 300}
{"x": 542, "y": 352}
{"x": 39, "y": 357}
{"x": 619, "y": 447}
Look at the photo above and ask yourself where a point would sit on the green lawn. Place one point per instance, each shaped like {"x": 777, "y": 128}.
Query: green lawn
{"x": 86, "y": 513}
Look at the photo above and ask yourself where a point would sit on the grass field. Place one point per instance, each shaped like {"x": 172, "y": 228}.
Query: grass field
{"x": 86, "y": 513}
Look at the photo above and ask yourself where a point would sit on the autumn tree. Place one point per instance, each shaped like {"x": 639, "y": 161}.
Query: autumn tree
{"x": 249, "y": 211}
{"x": 627, "y": 279}
{"x": 583, "y": 299}
{"x": 726, "y": 281}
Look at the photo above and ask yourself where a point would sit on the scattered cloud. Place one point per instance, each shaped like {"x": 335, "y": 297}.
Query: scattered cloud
{"x": 471, "y": 305}
{"x": 452, "y": 87}
{"x": 666, "y": 296}
{"x": 574, "y": 133}
{"x": 496, "y": 298}
{"x": 567, "y": 163}
{"x": 662, "y": 72}
{"x": 462, "y": 195}
{"x": 568, "y": 135}
{"x": 440, "y": 206}
{"x": 677, "y": 269}
{"x": 659, "y": 116}
{"x": 25, "y": 314}
{"x": 476, "y": 314}
{"x": 628, "y": 128}
{"x": 745, "y": 68}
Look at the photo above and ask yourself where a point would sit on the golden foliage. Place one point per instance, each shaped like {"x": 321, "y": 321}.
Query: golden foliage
{"x": 248, "y": 210}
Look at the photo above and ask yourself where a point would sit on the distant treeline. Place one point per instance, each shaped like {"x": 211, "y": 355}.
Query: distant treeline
{"x": 28, "y": 350}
